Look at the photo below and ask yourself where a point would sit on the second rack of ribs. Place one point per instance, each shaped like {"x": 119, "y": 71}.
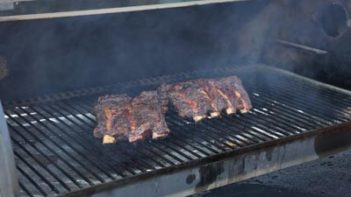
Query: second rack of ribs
{"x": 201, "y": 98}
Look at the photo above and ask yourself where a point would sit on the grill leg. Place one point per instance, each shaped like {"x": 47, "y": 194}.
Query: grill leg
{"x": 8, "y": 178}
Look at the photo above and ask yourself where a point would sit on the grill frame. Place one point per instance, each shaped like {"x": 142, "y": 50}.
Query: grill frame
{"x": 229, "y": 168}
{"x": 181, "y": 163}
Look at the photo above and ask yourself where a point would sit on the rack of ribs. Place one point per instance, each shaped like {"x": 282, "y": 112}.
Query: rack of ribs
{"x": 112, "y": 114}
{"x": 197, "y": 98}
{"x": 121, "y": 117}
{"x": 188, "y": 98}
{"x": 234, "y": 84}
{"x": 148, "y": 117}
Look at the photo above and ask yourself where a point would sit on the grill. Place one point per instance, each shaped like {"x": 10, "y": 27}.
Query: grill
{"x": 56, "y": 153}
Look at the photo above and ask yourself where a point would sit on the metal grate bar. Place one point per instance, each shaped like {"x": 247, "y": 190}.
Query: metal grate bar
{"x": 315, "y": 114}
{"x": 332, "y": 94}
{"x": 34, "y": 183}
{"x": 254, "y": 129}
{"x": 171, "y": 155}
{"x": 25, "y": 190}
{"x": 220, "y": 139}
{"x": 154, "y": 151}
{"x": 200, "y": 138}
{"x": 213, "y": 129}
{"x": 34, "y": 158}
{"x": 178, "y": 150}
{"x": 83, "y": 140}
{"x": 89, "y": 141}
{"x": 199, "y": 153}
{"x": 255, "y": 115}
{"x": 341, "y": 98}
{"x": 236, "y": 133}
{"x": 212, "y": 137}
{"x": 50, "y": 148}
{"x": 73, "y": 141}
{"x": 188, "y": 135}
{"x": 232, "y": 133}
{"x": 291, "y": 117}
{"x": 151, "y": 153}
{"x": 298, "y": 90}
{"x": 296, "y": 109}
{"x": 231, "y": 138}
{"x": 287, "y": 121}
{"x": 55, "y": 133}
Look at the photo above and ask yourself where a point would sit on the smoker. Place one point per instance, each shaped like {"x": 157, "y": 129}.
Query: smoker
{"x": 58, "y": 57}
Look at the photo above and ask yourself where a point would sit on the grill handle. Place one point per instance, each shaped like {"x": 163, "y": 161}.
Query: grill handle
{"x": 8, "y": 177}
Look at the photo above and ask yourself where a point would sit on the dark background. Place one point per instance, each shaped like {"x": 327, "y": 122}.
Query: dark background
{"x": 54, "y": 55}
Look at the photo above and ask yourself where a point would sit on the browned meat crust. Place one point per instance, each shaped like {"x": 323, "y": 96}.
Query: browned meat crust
{"x": 121, "y": 117}
{"x": 112, "y": 114}
{"x": 198, "y": 98}
{"x": 233, "y": 83}
{"x": 149, "y": 117}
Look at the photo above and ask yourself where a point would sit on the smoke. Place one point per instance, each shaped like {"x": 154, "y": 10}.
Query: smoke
{"x": 56, "y": 55}
{"x": 64, "y": 54}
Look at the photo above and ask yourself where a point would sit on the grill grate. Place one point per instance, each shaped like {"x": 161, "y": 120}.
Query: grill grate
{"x": 56, "y": 152}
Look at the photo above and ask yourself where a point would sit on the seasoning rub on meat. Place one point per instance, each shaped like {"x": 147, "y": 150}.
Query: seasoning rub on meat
{"x": 121, "y": 117}
{"x": 201, "y": 98}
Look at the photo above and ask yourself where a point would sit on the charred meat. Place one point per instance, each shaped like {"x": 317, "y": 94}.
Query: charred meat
{"x": 197, "y": 98}
{"x": 233, "y": 85}
{"x": 121, "y": 117}
{"x": 189, "y": 99}
{"x": 148, "y": 117}
{"x": 112, "y": 113}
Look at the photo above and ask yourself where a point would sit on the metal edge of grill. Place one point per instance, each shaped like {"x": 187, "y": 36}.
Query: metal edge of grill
{"x": 231, "y": 159}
